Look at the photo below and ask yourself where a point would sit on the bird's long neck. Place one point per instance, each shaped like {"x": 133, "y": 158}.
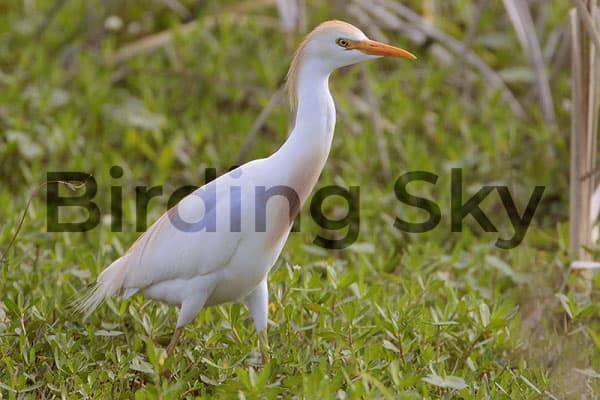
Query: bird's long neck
{"x": 305, "y": 152}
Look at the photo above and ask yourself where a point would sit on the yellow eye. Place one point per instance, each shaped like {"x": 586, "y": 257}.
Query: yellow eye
{"x": 343, "y": 43}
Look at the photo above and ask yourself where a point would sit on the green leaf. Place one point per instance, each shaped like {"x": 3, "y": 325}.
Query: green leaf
{"x": 448, "y": 382}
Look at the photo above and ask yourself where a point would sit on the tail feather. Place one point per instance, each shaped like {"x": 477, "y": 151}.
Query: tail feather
{"x": 109, "y": 283}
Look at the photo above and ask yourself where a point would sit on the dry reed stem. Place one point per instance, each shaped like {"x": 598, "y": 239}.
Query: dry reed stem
{"x": 157, "y": 40}
{"x": 178, "y": 8}
{"x": 576, "y": 237}
{"x": 588, "y": 22}
{"x": 520, "y": 16}
{"x": 260, "y": 121}
{"x": 584, "y": 125}
{"x": 385, "y": 11}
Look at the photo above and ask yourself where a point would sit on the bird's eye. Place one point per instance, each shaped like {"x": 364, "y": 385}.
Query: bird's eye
{"x": 343, "y": 43}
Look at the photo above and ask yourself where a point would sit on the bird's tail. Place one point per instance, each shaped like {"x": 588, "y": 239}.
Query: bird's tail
{"x": 108, "y": 284}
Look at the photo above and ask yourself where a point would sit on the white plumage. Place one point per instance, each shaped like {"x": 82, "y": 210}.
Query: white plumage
{"x": 219, "y": 243}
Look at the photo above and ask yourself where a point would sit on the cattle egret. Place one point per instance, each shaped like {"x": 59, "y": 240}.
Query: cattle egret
{"x": 219, "y": 243}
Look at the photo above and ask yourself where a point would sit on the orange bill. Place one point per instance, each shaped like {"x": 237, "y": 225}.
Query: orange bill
{"x": 374, "y": 48}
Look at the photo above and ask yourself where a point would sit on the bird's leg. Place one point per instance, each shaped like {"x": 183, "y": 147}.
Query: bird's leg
{"x": 189, "y": 309}
{"x": 263, "y": 345}
{"x": 173, "y": 342}
{"x": 258, "y": 304}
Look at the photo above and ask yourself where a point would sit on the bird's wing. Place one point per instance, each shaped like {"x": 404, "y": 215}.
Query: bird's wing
{"x": 191, "y": 239}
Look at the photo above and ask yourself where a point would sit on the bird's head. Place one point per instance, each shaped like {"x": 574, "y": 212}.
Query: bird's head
{"x": 336, "y": 44}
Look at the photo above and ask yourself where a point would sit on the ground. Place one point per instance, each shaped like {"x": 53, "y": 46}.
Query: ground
{"x": 396, "y": 315}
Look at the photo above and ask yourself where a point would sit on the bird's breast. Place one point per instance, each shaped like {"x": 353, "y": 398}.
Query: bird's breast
{"x": 297, "y": 185}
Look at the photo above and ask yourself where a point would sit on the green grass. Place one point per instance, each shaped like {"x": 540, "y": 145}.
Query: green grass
{"x": 395, "y": 316}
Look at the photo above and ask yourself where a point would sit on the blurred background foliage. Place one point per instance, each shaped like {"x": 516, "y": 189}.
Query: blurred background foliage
{"x": 168, "y": 88}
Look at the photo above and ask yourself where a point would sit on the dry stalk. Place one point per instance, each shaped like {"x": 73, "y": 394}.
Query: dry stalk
{"x": 158, "y": 40}
{"x": 584, "y": 126}
{"x": 520, "y": 16}
{"x": 399, "y": 17}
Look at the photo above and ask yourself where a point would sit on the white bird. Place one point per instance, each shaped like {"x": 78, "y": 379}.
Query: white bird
{"x": 219, "y": 243}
